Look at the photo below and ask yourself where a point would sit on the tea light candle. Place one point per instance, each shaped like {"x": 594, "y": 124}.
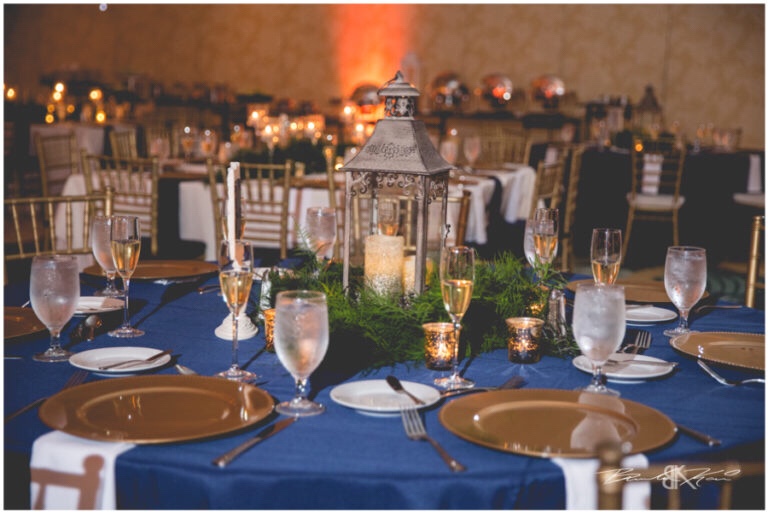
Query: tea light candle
{"x": 439, "y": 345}
{"x": 384, "y": 264}
{"x": 523, "y": 343}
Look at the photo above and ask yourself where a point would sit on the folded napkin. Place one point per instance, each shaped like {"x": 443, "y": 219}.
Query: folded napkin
{"x": 754, "y": 181}
{"x": 70, "y": 472}
{"x": 581, "y": 483}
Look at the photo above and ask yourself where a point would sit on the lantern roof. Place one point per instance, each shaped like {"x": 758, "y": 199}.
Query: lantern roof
{"x": 399, "y": 143}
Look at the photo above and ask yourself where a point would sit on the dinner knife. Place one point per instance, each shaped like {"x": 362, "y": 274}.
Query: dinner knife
{"x": 266, "y": 432}
{"x": 611, "y": 362}
{"x": 699, "y": 436}
{"x": 134, "y": 362}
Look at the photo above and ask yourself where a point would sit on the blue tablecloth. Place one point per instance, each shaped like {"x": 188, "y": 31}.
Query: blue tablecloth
{"x": 342, "y": 459}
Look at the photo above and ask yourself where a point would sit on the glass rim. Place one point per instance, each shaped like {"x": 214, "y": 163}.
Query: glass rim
{"x": 301, "y": 294}
{"x": 686, "y": 248}
{"x": 54, "y": 257}
{"x": 321, "y": 211}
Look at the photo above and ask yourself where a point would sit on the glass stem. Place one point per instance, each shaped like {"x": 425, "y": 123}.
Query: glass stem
{"x": 55, "y": 341}
{"x": 235, "y": 365}
{"x": 301, "y": 390}
{"x": 683, "y": 325}
{"x": 455, "y": 362}
{"x": 597, "y": 376}
{"x": 127, "y": 286}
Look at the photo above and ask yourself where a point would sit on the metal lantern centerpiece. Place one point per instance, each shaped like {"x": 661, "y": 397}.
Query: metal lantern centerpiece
{"x": 397, "y": 170}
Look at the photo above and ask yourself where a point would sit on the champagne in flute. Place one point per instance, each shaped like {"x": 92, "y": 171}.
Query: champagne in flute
{"x": 685, "y": 279}
{"x": 125, "y": 244}
{"x": 54, "y": 289}
{"x": 545, "y": 234}
{"x": 236, "y": 280}
{"x": 457, "y": 277}
{"x": 605, "y": 254}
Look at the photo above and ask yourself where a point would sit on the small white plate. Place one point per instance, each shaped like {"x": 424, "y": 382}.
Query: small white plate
{"x": 649, "y": 315}
{"x": 627, "y": 372}
{"x": 376, "y": 398}
{"x": 92, "y": 360}
{"x": 90, "y": 305}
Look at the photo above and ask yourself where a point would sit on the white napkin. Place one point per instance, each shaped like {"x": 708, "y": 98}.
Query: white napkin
{"x": 64, "y": 456}
{"x": 581, "y": 483}
{"x": 754, "y": 183}
{"x": 651, "y": 173}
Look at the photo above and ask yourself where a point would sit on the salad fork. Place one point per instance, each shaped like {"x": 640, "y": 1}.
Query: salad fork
{"x": 414, "y": 429}
{"x": 726, "y": 382}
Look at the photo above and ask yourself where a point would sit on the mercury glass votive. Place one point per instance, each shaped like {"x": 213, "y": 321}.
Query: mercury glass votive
{"x": 384, "y": 264}
{"x": 269, "y": 329}
{"x": 439, "y": 345}
{"x": 523, "y": 342}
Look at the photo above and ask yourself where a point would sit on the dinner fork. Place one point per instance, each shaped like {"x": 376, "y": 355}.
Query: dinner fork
{"x": 727, "y": 382}
{"x": 76, "y": 378}
{"x": 414, "y": 429}
{"x": 642, "y": 341}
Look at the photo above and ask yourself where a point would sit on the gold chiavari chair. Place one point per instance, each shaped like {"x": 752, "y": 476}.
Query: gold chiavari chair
{"x": 756, "y": 265}
{"x": 548, "y": 185}
{"x": 135, "y": 185}
{"x": 500, "y": 146}
{"x": 265, "y": 190}
{"x": 569, "y": 219}
{"x": 31, "y": 221}
{"x": 57, "y": 156}
{"x": 657, "y": 170}
{"x": 123, "y": 144}
{"x": 671, "y": 476}
{"x": 161, "y": 142}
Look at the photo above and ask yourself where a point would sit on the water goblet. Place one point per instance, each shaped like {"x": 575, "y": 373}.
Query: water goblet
{"x": 236, "y": 279}
{"x": 54, "y": 289}
{"x": 208, "y": 143}
{"x": 300, "y": 341}
{"x": 321, "y": 228}
{"x": 685, "y": 279}
{"x": 125, "y": 244}
{"x": 605, "y": 253}
{"x": 102, "y": 251}
{"x": 457, "y": 278}
{"x": 598, "y": 326}
{"x": 388, "y": 211}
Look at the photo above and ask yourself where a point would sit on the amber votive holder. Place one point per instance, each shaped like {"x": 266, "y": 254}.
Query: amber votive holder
{"x": 523, "y": 344}
{"x": 269, "y": 329}
{"x": 439, "y": 345}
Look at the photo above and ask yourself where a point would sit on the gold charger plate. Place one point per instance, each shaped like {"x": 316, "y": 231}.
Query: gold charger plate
{"x": 634, "y": 291}
{"x": 156, "y": 409}
{"x": 164, "y": 269}
{"x": 554, "y": 423}
{"x": 20, "y": 322}
{"x": 745, "y": 350}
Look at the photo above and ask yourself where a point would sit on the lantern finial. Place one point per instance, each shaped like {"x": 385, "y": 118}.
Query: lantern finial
{"x": 399, "y": 98}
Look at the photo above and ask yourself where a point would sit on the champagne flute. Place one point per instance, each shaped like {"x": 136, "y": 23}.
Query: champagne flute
{"x": 188, "y": 141}
{"x": 125, "y": 243}
{"x": 388, "y": 211}
{"x": 598, "y": 326}
{"x": 545, "y": 230}
{"x": 54, "y": 289}
{"x": 301, "y": 341}
{"x": 685, "y": 279}
{"x": 208, "y": 143}
{"x": 236, "y": 279}
{"x": 321, "y": 227}
{"x": 102, "y": 251}
{"x": 457, "y": 277}
{"x": 605, "y": 253}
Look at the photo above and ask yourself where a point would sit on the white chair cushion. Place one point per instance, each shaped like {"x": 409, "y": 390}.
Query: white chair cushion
{"x": 656, "y": 202}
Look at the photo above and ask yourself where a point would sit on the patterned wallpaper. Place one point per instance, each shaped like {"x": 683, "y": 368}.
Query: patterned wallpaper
{"x": 706, "y": 61}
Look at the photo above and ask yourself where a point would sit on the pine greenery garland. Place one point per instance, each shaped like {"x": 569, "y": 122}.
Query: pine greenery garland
{"x": 372, "y": 331}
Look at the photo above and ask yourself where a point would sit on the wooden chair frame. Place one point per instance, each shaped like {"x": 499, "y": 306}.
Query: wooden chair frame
{"x": 57, "y": 156}
{"x": 123, "y": 144}
{"x": 568, "y": 257}
{"x": 549, "y": 184}
{"x": 756, "y": 265}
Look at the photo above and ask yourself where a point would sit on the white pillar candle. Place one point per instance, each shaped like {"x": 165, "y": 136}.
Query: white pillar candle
{"x": 384, "y": 264}
{"x": 233, "y": 200}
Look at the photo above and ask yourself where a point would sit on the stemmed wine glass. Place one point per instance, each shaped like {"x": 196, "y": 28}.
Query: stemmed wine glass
{"x": 388, "y": 211}
{"x": 545, "y": 233}
{"x": 685, "y": 279}
{"x": 471, "y": 150}
{"x": 301, "y": 341}
{"x": 598, "y": 326}
{"x": 236, "y": 279}
{"x": 321, "y": 228}
{"x": 605, "y": 253}
{"x": 102, "y": 251}
{"x": 208, "y": 143}
{"x": 188, "y": 141}
{"x": 457, "y": 278}
{"x": 54, "y": 290}
{"x": 125, "y": 243}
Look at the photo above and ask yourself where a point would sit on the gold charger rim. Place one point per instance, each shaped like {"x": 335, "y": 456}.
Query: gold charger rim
{"x": 689, "y": 344}
{"x": 654, "y": 428}
{"x": 23, "y": 322}
{"x": 637, "y": 291}
{"x": 68, "y": 410}
{"x": 164, "y": 269}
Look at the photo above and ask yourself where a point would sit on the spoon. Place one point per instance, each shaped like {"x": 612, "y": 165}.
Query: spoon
{"x": 92, "y": 324}
{"x": 395, "y": 384}
{"x": 183, "y": 370}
